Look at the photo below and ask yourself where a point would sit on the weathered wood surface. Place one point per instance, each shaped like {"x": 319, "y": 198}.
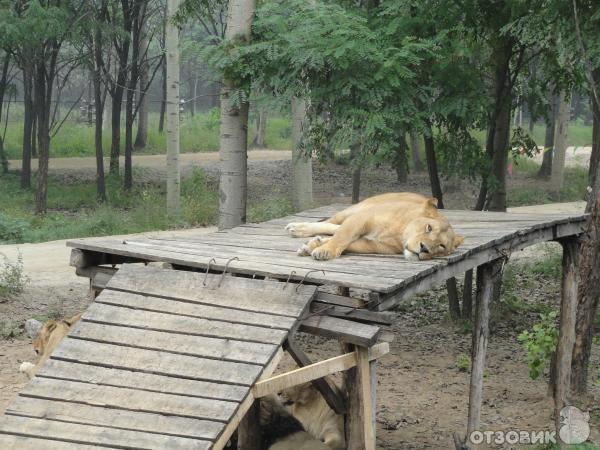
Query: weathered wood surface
{"x": 161, "y": 359}
{"x": 266, "y": 250}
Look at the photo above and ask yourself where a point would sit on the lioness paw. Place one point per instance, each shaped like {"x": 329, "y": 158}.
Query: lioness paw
{"x": 298, "y": 229}
{"x": 304, "y": 250}
{"x": 26, "y": 367}
{"x": 322, "y": 254}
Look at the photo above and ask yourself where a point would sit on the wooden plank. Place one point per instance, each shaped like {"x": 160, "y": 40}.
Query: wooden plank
{"x": 151, "y": 361}
{"x": 88, "y": 434}
{"x": 245, "y": 405}
{"x": 566, "y": 336}
{"x": 223, "y": 349}
{"x": 239, "y": 293}
{"x": 151, "y": 382}
{"x": 357, "y": 315}
{"x": 14, "y": 442}
{"x": 251, "y": 268}
{"x": 157, "y": 304}
{"x": 314, "y": 371}
{"x": 115, "y": 315}
{"x": 339, "y": 300}
{"x": 344, "y": 330}
{"x": 114, "y": 418}
{"x": 130, "y": 399}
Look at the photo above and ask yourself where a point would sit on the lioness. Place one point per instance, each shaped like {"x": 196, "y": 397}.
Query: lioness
{"x": 307, "y": 405}
{"x": 48, "y": 338}
{"x": 390, "y": 224}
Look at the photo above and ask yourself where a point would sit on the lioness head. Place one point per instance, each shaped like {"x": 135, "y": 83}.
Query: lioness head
{"x": 40, "y": 343}
{"x": 427, "y": 237}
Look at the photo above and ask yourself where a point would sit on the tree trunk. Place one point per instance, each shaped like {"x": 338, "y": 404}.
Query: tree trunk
{"x": 34, "y": 123}
{"x": 546, "y": 167}
{"x": 172, "y": 110}
{"x": 436, "y": 191}
{"x": 99, "y": 100}
{"x": 434, "y": 178}
{"x": 141, "y": 137}
{"x": 163, "y": 101}
{"x": 356, "y": 172}
{"x": 589, "y": 267}
{"x": 500, "y": 125}
{"x": 233, "y": 150}
{"x": 259, "y": 140}
{"x": 302, "y": 183}
{"x": 560, "y": 144}
{"x": 400, "y": 160}
{"x": 3, "y": 86}
{"x": 115, "y": 144}
{"x": 415, "y": 147}
{"x": 27, "y": 127}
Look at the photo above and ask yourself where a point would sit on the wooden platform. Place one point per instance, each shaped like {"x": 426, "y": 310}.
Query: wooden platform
{"x": 161, "y": 359}
{"x": 266, "y": 250}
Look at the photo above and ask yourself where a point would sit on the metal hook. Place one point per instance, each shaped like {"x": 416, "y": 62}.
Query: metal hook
{"x": 306, "y": 275}
{"x": 207, "y": 270}
{"x": 288, "y": 279}
{"x": 225, "y": 271}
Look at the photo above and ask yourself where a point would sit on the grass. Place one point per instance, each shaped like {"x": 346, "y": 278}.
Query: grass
{"x": 9, "y": 329}
{"x": 12, "y": 278}
{"x": 198, "y": 134}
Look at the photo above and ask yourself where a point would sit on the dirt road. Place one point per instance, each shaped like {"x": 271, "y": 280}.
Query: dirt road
{"x": 155, "y": 161}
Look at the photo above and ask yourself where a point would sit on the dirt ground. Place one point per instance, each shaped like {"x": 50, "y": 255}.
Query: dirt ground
{"x": 422, "y": 394}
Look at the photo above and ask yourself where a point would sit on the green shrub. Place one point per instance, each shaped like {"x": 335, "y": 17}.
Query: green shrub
{"x": 199, "y": 202}
{"x": 272, "y": 207}
{"x": 11, "y": 229}
{"x": 12, "y": 278}
{"x": 540, "y": 343}
{"x": 9, "y": 329}
{"x": 463, "y": 362}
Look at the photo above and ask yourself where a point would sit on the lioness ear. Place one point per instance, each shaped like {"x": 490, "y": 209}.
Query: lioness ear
{"x": 433, "y": 202}
{"x": 458, "y": 240}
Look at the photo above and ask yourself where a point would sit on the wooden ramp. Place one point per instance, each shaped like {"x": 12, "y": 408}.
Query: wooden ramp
{"x": 161, "y": 359}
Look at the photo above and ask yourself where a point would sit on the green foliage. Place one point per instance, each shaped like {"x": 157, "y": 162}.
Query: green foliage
{"x": 9, "y": 329}
{"x": 540, "y": 343}
{"x": 199, "y": 202}
{"x": 276, "y": 205}
{"x": 11, "y": 229}
{"x": 463, "y": 362}
{"x": 12, "y": 278}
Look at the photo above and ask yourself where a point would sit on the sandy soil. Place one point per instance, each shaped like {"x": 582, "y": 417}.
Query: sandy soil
{"x": 422, "y": 395}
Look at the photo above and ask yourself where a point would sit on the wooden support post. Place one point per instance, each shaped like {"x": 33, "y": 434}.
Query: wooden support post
{"x": 485, "y": 284}
{"x": 331, "y": 395}
{"x": 249, "y": 436}
{"x": 360, "y": 426}
{"x": 566, "y": 335}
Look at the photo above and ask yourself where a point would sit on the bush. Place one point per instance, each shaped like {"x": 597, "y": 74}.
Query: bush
{"x": 463, "y": 362}
{"x": 199, "y": 202}
{"x": 540, "y": 344}
{"x": 12, "y": 230}
{"x": 12, "y": 278}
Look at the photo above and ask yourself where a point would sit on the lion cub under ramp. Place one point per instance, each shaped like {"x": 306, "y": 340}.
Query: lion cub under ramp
{"x": 161, "y": 359}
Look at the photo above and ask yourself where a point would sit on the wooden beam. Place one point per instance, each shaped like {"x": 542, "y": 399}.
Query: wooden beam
{"x": 367, "y": 397}
{"x": 354, "y": 314}
{"x": 485, "y": 288}
{"x": 344, "y": 330}
{"x": 340, "y": 300}
{"x": 566, "y": 336}
{"x": 84, "y": 258}
{"x": 314, "y": 371}
{"x": 332, "y": 396}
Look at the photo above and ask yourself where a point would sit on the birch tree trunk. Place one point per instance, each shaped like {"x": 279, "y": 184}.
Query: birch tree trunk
{"x": 172, "y": 109}
{"x": 560, "y": 143}
{"x": 302, "y": 192}
{"x": 233, "y": 151}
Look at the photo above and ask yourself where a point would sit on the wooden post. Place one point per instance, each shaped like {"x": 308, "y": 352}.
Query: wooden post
{"x": 485, "y": 278}
{"x": 360, "y": 426}
{"x": 249, "y": 437}
{"x": 566, "y": 335}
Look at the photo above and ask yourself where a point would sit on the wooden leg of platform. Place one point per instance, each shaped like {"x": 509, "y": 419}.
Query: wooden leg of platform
{"x": 485, "y": 284}
{"x": 360, "y": 416}
{"x": 249, "y": 437}
{"x": 566, "y": 336}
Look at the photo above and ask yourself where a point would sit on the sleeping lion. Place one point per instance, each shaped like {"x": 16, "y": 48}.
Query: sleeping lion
{"x": 394, "y": 223}
{"x": 48, "y": 338}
